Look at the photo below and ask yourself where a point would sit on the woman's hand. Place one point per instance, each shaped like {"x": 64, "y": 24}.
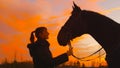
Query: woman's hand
{"x": 70, "y": 51}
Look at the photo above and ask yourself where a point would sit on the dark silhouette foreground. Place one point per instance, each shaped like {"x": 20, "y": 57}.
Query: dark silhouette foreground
{"x": 103, "y": 29}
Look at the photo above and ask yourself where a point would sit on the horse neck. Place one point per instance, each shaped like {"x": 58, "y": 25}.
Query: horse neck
{"x": 105, "y": 34}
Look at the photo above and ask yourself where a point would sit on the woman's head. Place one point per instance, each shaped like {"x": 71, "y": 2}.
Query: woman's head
{"x": 40, "y": 33}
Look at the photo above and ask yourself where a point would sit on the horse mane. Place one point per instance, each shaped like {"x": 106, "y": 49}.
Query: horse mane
{"x": 88, "y": 15}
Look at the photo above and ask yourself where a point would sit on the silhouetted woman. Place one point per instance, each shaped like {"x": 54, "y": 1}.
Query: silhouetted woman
{"x": 40, "y": 53}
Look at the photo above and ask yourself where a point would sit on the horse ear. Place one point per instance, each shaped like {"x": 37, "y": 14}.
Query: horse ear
{"x": 75, "y": 6}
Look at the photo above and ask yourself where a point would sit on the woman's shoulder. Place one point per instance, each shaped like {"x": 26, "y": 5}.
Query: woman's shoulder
{"x": 34, "y": 45}
{"x": 31, "y": 45}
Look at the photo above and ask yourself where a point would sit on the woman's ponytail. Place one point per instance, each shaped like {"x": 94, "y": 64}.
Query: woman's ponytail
{"x": 32, "y": 37}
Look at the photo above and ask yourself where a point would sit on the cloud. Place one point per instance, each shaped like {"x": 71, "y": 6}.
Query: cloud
{"x": 108, "y": 4}
{"x": 6, "y": 29}
{"x": 111, "y": 10}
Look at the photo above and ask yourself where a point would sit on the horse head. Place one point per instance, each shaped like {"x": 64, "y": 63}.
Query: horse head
{"x": 73, "y": 27}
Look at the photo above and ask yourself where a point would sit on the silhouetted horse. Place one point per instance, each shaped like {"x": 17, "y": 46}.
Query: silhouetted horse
{"x": 103, "y": 29}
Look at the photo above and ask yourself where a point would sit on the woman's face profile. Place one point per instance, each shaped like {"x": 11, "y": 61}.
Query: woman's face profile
{"x": 44, "y": 34}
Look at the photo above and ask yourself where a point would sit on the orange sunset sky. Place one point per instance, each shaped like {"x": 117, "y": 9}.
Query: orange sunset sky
{"x": 18, "y": 18}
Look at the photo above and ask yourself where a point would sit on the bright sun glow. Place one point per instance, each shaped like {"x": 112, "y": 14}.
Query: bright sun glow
{"x": 86, "y": 45}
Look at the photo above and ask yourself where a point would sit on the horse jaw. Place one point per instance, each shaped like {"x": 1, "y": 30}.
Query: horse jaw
{"x": 63, "y": 38}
